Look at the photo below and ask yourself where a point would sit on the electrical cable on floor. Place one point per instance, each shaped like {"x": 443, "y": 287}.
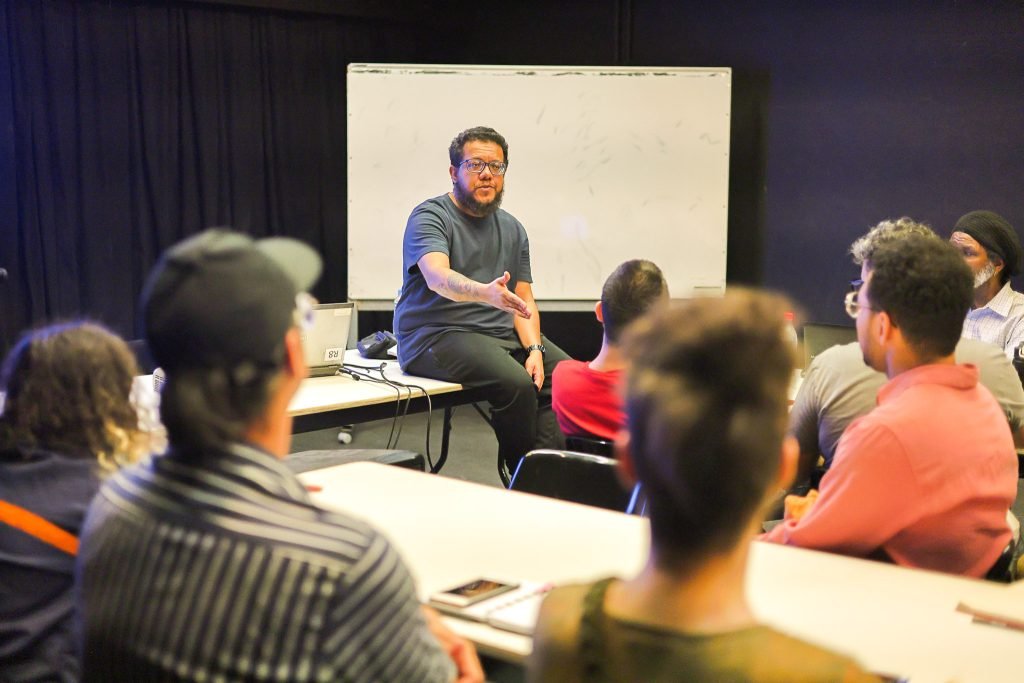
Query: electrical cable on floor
{"x": 364, "y": 373}
{"x": 430, "y": 413}
{"x": 408, "y": 402}
{"x": 366, "y": 376}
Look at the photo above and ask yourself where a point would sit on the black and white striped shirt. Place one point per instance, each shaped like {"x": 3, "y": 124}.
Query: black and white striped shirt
{"x": 223, "y": 570}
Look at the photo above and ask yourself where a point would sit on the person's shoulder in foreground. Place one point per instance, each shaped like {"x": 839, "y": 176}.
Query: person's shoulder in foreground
{"x": 578, "y": 640}
{"x": 67, "y": 421}
{"x": 311, "y": 576}
{"x": 705, "y": 401}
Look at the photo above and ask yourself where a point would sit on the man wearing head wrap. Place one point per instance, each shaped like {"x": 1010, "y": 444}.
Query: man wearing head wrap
{"x": 992, "y": 249}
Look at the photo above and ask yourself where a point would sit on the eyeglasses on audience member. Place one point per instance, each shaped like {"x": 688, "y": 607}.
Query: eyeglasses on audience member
{"x": 851, "y": 303}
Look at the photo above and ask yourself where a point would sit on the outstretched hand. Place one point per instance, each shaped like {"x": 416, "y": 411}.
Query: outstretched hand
{"x": 497, "y": 294}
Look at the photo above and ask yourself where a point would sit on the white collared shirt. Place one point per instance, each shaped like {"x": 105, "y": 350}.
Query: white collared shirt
{"x": 999, "y": 322}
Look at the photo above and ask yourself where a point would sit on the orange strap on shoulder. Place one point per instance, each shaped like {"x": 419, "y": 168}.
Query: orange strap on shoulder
{"x": 34, "y": 525}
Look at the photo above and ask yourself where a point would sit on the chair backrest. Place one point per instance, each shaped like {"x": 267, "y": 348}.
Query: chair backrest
{"x": 637, "y": 501}
{"x": 1005, "y": 568}
{"x": 590, "y": 444}
{"x": 572, "y": 476}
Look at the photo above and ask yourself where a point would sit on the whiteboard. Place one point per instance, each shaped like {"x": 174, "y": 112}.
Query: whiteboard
{"x": 605, "y": 164}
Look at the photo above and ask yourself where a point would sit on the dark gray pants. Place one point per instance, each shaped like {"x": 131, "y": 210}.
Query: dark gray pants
{"x": 521, "y": 415}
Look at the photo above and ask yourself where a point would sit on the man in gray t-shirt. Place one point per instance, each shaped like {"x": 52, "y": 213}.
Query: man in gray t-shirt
{"x": 838, "y": 388}
{"x": 466, "y": 312}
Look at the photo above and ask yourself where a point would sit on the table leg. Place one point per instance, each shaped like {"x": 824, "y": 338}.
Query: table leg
{"x": 446, "y": 430}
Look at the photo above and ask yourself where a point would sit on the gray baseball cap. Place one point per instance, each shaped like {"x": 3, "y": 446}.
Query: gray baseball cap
{"x": 221, "y": 299}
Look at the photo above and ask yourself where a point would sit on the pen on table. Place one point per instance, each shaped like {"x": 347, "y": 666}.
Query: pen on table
{"x": 990, "y": 618}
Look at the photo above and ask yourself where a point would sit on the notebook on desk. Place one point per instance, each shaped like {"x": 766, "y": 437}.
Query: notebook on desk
{"x": 515, "y": 610}
{"x": 325, "y": 341}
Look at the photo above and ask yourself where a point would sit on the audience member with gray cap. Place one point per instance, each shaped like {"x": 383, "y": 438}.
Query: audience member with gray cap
{"x": 211, "y": 562}
{"x": 992, "y": 249}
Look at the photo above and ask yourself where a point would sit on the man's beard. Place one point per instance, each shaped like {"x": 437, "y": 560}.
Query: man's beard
{"x": 984, "y": 275}
{"x": 467, "y": 200}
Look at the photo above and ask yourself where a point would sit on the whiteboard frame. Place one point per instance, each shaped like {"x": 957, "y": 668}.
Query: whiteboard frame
{"x": 379, "y": 248}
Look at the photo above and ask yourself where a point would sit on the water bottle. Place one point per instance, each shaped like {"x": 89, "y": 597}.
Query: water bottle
{"x": 789, "y": 333}
{"x": 790, "y": 330}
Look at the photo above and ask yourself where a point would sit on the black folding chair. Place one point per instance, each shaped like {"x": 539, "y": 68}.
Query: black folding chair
{"x": 572, "y": 476}
{"x": 590, "y": 444}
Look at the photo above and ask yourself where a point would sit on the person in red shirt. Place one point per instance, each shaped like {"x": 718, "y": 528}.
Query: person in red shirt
{"x": 585, "y": 396}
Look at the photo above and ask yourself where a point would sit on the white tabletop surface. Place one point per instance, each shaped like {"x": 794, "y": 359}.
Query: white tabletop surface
{"x": 890, "y": 619}
{"x": 320, "y": 394}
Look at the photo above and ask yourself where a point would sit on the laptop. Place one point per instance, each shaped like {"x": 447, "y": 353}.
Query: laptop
{"x": 325, "y": 341}
{"x": 819, "y": 337}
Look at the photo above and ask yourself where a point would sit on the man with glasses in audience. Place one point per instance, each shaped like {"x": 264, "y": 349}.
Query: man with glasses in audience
{"x": 927, "y": 477}
{"x": 466, "y": 311}
{"x": 211, "y": 563}
{"x": 991, "y": 248}
{"x": 839, "y": 387}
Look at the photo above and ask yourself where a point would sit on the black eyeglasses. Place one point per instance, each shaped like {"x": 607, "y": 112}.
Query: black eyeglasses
{"x": 477, "y": 166}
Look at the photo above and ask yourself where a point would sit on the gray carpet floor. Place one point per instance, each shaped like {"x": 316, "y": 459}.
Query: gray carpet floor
{"x": 472, "y": 454}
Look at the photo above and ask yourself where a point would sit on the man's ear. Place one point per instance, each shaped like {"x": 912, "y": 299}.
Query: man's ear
{"x": 886, "y": 329}
{"x": 997, "y": 263}
{"x": 454, "y": 173}
{"x": 624, "y": 460}
{"x": 789, "y": 460}
{"x": 599, "y": 312}
{"x": 294, "y": 359}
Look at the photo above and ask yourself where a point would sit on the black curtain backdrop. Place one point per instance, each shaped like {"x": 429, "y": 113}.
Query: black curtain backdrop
{"x": 843, "y": 113}
{"x": 125, "y": 127}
